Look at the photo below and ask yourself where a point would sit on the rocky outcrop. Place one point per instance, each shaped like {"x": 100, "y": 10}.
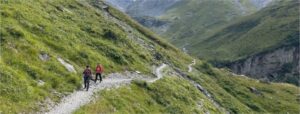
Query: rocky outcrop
{"x": 150, "y": 21}
{"x": 146, "y": 12}
{"x": 280, "y": 65}
{"x": 157, "y": 25}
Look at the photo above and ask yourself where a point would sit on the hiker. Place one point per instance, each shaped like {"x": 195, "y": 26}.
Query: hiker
{"x": 99, "y": 70}
{"x": 87, "y": 73}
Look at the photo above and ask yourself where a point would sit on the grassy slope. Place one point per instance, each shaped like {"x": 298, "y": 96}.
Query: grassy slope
{"x": 233, "y": 92}
{"x": 269, "y": 28}
{"x": 79, "y": 34}
{"x": 170, "y": 53}
{"x": 74, "y": 31}
{"x": 193, "y": 20}
{"x": 173, "y": 95}
{"x": 169, "y": 95}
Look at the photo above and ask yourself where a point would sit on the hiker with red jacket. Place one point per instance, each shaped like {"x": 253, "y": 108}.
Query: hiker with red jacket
{"x": 99, "y": 70}
{"x": 87, "y": 74}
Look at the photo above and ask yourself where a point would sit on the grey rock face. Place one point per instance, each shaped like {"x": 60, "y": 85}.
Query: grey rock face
{"x": 281, "y": 65}
{"x": 150, "y": 21}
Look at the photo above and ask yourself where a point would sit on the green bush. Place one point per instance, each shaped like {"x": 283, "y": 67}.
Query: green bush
{"x": 110, "y": 35}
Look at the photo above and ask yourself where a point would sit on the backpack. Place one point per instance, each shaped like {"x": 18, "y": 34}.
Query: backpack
{"x": 87, "y": 72}
{"x": 99, "y": 69}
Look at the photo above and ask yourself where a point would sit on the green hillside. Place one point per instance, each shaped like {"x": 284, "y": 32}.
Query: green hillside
{"x": 37, "y": 35}
{"x": 240, "y": 94}
{"x": 191, "y": 21}
{"x": 270, "y": 28}
{"x": 169, "y": 95}
{"x": 175, "y": 95}
{"x": 74, "y": 31}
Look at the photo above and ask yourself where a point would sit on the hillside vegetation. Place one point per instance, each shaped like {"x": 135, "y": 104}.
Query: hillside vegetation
{"x": 237, "y": 94}
{"x": 256, "y": 38}
{"x": 240, "y": 94}
{"x": 191, "y": 21}
{"x": 185, "y": 22}
{"x": 169, "y": 95}
{"x": 262, "y": 36}
{"x": 268, "y": 29}
{"x": 36, "y": 36}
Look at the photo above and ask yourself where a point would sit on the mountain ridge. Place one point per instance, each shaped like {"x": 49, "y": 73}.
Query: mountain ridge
{"x": 273, "y": 29}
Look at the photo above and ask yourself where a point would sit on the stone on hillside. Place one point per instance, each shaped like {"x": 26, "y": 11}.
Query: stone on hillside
{"x": 105, "y": 7}
{"x": 138, "y": 72}
{"x": 68, "y": 66}
{"x": 158, "y": 56}
{"x": 40, "y": 82}
{"x": 200, "y": 104}
{"x": 254, "y": 90}
{"x": 44, "y": 56}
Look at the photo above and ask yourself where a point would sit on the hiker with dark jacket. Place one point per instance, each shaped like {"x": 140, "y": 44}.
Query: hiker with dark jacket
{"x": 99, "y": 70}
{"x": 87, "y": 74}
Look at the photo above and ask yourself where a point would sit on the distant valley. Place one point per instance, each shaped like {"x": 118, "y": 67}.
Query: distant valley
{"x": 230, "y": 33}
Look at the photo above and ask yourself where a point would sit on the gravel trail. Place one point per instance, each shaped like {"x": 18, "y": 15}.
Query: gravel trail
{"x": 190, "y": 65}
{"x": 79, "y": 98}
{"x": 158, "y": 73}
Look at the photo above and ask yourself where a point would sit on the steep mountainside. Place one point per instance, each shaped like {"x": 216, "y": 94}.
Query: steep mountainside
{"x": 229, "y": 93}
{"x": 221, "y": 32}
{"x": 146, "y": 12}
{"x": 45, "y": 46}
{"x": 280, "y": 65}
{"x": 140, "y": 8}
{"x": 273, "y": 29}
{"x": 185, "y": 22}
{"x": 193, "y": 20}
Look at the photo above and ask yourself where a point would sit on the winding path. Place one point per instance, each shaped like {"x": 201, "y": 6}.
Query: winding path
{"x": 203, "y": 90}
{"x": 77, "y": 99}
{"x": 158, "y": 73}
{"x": 190, "y": 65}
{"x": 80, "y": 98}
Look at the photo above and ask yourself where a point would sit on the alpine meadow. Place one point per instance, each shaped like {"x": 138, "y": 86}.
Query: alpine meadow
{"x": 156, "y": 57}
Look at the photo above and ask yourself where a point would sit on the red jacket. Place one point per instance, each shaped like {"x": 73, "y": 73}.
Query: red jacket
{"x": 99, "y": 69}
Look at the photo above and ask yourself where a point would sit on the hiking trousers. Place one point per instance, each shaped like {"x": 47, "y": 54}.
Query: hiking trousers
{"x": 98, "y": 75}
{"x": 86, "y": 80}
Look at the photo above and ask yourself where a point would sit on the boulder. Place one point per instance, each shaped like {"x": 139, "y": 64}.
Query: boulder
{"x": 44, "y": 56}
{"x": 254, "y": 90}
